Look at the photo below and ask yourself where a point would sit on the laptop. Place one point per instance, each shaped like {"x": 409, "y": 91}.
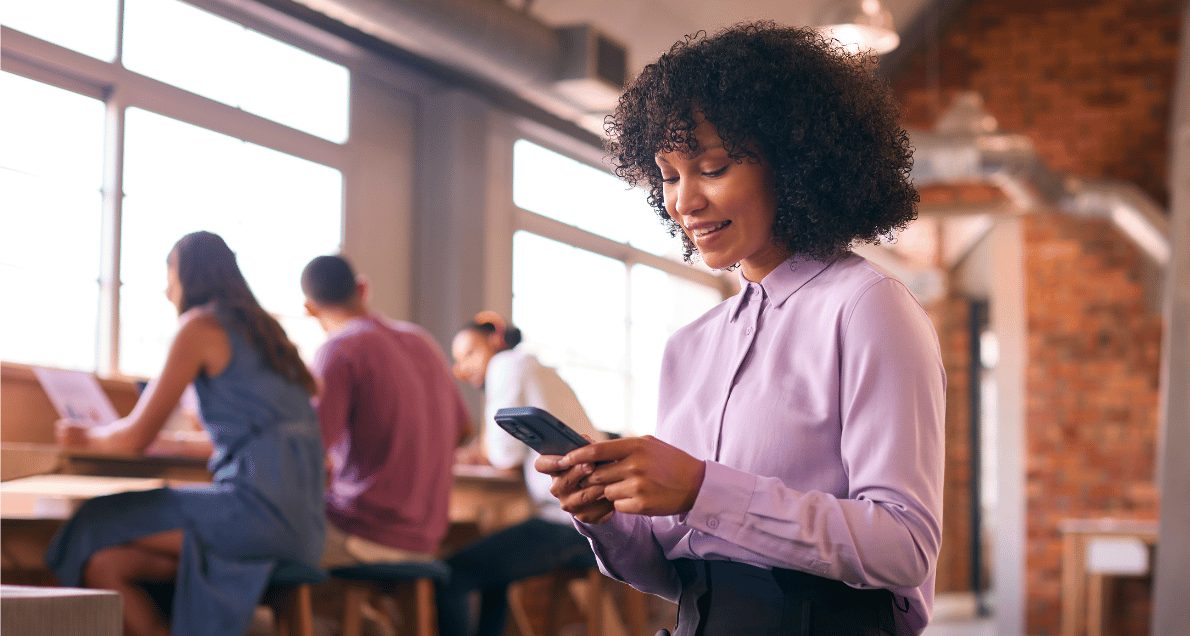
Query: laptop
{"x": 77, "y": 395}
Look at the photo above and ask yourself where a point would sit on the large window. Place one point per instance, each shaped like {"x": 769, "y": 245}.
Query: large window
{"x": 597, "y": 284}
{"x": 263, "y": 197}
{"x": 51, "y": 211}
{"x": 217, "y": 58}
{"x": 103, "y": 166}
{"x": 85, "y": 26}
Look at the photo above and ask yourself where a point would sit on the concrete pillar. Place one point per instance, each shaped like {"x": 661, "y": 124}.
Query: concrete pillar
{"x": 1171, "y": 612}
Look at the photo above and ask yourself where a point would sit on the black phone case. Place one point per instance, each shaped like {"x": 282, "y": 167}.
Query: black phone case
{"x": 539, "y": 430}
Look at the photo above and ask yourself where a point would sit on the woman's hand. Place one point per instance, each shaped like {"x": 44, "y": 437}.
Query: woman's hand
{"x": 585, "y": 502}
{"x": 638, "y": 475}
{"x": 71, "y": 433}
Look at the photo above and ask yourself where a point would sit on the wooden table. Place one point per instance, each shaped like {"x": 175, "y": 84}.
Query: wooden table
{"x": 31, "y": 508}
{"x": 491, "y": 498}
{"x": 57, "y": 496}
{"x": 1076, "y": 534}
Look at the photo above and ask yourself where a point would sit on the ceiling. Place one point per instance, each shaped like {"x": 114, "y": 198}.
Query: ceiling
{"x": 648, "y": 27}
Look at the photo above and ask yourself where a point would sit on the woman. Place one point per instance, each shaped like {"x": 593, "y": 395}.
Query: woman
{"x": 217, "y": 543}
{"x": 794, "y": 485}
{"x": 486, "y": 356}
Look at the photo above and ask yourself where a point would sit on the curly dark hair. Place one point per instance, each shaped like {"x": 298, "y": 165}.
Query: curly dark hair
{"x": 817, "y": 115}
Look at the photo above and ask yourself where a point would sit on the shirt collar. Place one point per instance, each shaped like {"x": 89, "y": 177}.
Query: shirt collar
{"x": 782, "y": 282}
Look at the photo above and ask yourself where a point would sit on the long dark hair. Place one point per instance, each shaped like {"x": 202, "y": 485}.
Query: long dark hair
{"x": 209, "y": 274}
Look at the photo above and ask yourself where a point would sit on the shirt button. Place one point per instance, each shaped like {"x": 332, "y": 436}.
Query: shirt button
{"x": 712, "y": 522}
{"x": 748, "y": 331}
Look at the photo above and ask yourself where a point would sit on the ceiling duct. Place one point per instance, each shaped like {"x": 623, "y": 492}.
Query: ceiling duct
{"x": 571, "y": 71}
{"x": 593, "y": 69}
{"x": 966, "y": 147}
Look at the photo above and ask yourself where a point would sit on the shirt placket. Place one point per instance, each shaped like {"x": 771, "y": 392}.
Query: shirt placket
{"x": 743, "y": 329}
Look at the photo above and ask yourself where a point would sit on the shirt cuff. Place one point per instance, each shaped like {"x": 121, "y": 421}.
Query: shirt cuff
{"x": 613, "y": 534}
{"x": 722, "y": 502}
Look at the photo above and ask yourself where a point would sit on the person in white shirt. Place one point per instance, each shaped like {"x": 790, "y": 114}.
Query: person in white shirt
{"x": 486, "y": 357}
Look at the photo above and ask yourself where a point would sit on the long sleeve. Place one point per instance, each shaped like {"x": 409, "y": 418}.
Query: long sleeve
{"x": 886, "y": 532}
{"x": 627, "y": 551}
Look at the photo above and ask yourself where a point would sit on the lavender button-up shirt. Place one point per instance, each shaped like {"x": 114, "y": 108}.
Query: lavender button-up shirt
{"x": 816, "y": 400}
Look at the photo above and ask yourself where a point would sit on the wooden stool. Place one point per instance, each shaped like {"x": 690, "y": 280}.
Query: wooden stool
{"x": 592, "y": 594}
{"x": 288, "y": 595}
{"x": 360, "y": 579}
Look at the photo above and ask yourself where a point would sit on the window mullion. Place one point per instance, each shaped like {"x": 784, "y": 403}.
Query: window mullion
{"x": 113, "y": 204}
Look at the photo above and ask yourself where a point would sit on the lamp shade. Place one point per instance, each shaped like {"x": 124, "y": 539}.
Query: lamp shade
{"x": 859, "y": 25}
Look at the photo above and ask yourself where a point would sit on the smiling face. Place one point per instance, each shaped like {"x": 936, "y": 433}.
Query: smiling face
{"x": 472, "y": 351}
{"x": 725, "y": 207}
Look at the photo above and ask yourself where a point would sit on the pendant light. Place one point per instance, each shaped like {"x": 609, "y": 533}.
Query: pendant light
{"x": 859, "y": 25}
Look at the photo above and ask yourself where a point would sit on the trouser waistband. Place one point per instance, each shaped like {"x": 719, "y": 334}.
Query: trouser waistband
{"x": 723, "y": 597}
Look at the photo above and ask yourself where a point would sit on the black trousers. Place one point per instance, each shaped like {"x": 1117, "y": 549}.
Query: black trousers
{"x": 725, "y": 598}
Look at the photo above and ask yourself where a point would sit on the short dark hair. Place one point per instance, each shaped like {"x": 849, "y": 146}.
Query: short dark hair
{"x": 817, "y": 115}
{"x": 329, "y": 280}
{"x": 510, "y": 335}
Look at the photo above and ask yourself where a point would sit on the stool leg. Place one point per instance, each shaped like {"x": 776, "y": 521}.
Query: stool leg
{"x": 636, "y": 610}
{"x": 594, "y": 603}
{"x": 426, "y": 610}
{"x": 516, "y": 607}
{"x": 354, "y": 597}
{"x": 302, "y": 609}
{"x": 293, "y": 611}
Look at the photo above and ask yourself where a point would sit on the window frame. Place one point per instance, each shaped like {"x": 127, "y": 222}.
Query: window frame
{"x": 120, "y": 89}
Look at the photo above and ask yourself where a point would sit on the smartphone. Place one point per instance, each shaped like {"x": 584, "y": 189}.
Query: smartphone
{"x": 539, "y": 430}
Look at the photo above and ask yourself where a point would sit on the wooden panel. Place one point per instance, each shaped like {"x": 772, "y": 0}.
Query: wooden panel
{"x": 26, "y": 414}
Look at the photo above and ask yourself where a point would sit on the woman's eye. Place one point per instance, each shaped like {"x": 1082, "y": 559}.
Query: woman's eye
{"x": 715, "y": 173}
{"x": 665, "y": 179}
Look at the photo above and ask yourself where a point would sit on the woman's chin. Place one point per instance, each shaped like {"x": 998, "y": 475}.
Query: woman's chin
{"x": 716, "y": 261}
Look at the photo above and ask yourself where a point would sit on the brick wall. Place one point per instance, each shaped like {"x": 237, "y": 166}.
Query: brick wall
{"x": 1089, "y": 81}
{"x": 1091, "y": 389}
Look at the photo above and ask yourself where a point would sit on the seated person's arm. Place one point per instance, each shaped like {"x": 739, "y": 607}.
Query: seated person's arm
{"x": 335, "y": 376}
{"x": 197, "y": 336}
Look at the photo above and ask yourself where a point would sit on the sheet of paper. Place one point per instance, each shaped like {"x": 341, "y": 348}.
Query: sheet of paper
{"x": 77, "y": 395}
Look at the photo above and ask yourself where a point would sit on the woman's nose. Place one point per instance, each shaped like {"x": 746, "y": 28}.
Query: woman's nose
{"x": 689, "y": 197}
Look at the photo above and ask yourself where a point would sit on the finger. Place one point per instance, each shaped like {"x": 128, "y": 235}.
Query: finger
{"x": 549, "y": 464}
{"x": 594, "y": 513}
{"x": 609, "y": 451}
{"x": 581, "y": 499}
{"x": 611, "y": 473}
{"x": 569, "y": 481}
{"x": 631, "y": 506}
{"x": 623, "y": 491}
